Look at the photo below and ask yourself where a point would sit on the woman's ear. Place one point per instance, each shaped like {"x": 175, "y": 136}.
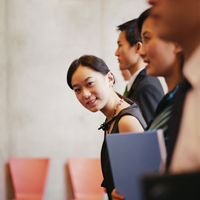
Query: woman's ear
{"x": 138, "y": 46}
{"x": 177, "y": 48}
{"x": 111, "y": 79}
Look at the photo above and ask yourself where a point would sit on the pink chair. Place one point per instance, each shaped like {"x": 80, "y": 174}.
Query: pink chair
{"x": 28, "y": 177}
{"x": 86, "y": 178}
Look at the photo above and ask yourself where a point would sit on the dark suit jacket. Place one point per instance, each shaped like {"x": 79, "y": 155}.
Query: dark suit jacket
{"x": 175, "y": 120}
{"x": 147, "y": 92}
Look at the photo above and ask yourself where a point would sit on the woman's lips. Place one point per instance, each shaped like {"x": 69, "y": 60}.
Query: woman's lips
{"x": 147, "y": 62}
{"x": 91, "y": 102}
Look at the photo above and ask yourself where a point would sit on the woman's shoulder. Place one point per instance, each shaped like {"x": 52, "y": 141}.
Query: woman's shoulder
{"x": 129, "y": 123}
{"x": 131, "y": 111}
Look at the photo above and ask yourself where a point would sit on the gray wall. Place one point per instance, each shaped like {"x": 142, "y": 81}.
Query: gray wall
{"x": 39, "y": 114}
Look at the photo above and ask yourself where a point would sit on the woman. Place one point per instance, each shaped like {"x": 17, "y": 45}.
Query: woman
{"x": 163, "y": 59}
{"x": 92, "y": 83}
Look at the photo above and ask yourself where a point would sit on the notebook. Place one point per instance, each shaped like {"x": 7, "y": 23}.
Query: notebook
{"x": 133, "y": 155}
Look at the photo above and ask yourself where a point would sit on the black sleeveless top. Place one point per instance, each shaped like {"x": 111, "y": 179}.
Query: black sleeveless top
{"x": 105, "y": 163}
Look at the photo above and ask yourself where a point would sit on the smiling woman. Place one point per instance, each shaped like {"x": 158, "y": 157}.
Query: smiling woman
{"x": 165, "y": 59}
{"x": 92, "y": 82}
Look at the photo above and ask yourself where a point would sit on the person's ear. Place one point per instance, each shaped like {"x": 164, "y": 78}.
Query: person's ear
{"x": 111, "y": 79}
{"x": 138, "y": 46}
{"x": 177, "y": 48}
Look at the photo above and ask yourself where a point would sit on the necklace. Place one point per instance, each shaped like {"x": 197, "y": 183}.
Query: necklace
{"x": 106, "y": 125}
{"x": 120, "y": 102}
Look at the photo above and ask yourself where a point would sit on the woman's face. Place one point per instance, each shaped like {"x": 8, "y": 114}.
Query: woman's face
{"x": 158, "y": 54}
{"x": 92, "y": 88}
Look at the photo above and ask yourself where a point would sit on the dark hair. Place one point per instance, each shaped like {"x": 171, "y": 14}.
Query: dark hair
{"x": 141, "y": 20}
{"x": 132, "y": 35}
{"x": 94, "y": 63}
{"x": 90, "y": 61}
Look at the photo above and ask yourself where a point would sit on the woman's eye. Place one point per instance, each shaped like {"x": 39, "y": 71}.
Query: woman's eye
{"x": 90, "y": 83}
{"x": 146, "y": 38}
{"x": 77, "y": 90}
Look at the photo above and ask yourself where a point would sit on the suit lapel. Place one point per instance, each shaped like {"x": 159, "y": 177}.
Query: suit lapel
{"x": 136, "y": 82}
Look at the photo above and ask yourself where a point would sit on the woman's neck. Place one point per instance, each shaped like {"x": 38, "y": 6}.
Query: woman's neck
{"x": 174, "y": 78}
{"x": 111, "y": 105}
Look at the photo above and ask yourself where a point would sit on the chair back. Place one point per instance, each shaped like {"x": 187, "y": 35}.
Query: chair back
{"x": 28, "y": 176}
{"x": 86, "y": 177}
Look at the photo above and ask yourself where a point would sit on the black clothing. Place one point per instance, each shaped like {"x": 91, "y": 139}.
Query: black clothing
{"x": 163, "y": 114}
{"x": 174, "y": 122}
{"x": 147, "y": 92}
{"x": 105, "y": 163}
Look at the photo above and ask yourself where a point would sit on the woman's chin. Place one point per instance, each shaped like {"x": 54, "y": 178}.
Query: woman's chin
{"x": 93, "y": 110}
{"x": 151, "y": 73}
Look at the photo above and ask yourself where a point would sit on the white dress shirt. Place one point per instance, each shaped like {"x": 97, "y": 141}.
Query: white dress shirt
{"x": 133, "y": 77}
{"x": 186, "y": 155}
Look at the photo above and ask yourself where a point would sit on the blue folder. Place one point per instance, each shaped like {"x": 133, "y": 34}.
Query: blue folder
{"x": 133, "y": 155}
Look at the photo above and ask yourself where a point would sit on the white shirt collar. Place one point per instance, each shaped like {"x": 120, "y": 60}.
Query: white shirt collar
{"x": 191, "y": 70}
{"x": 132, "y": 79}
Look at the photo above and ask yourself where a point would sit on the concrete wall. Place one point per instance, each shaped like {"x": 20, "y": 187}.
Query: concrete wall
{"x": 4, "y": 133}
{"x": 39, "y": 114}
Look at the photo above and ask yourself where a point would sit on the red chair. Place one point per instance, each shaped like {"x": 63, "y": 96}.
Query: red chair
{"x": 86, "y": 178}
{"x": 28, "y": 177}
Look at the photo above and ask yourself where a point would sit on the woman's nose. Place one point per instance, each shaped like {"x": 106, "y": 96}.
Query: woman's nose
{"x": 86, "y": 93}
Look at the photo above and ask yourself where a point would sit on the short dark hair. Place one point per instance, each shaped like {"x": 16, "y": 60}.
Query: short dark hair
{"x": 90, "y": 61}
{"x": 143, "y": 16}
{"x": 132, "y": 35}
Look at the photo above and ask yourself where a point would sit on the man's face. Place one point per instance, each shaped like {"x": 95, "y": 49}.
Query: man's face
{"x": 176, "y": 20}
{"x": 126, "y": 53}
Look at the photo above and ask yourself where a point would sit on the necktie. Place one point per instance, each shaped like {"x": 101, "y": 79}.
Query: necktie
{"x": 126, "y": 91}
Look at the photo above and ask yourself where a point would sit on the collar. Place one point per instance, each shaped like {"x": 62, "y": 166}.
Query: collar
{"x": 191, "y": 69}
{"x": 133, "y": 77}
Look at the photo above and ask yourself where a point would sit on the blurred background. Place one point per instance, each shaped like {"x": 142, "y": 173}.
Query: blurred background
{"x": 39, "y": 115}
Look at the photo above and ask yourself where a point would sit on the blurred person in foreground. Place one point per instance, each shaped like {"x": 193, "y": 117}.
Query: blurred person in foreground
{"x": 179, "y": 21}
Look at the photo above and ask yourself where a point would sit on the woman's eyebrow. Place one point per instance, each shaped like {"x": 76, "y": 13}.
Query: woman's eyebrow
{"x": 86, "y": 79}
{"x": 145, "y": 33}
{"x": 76, "y": 85}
